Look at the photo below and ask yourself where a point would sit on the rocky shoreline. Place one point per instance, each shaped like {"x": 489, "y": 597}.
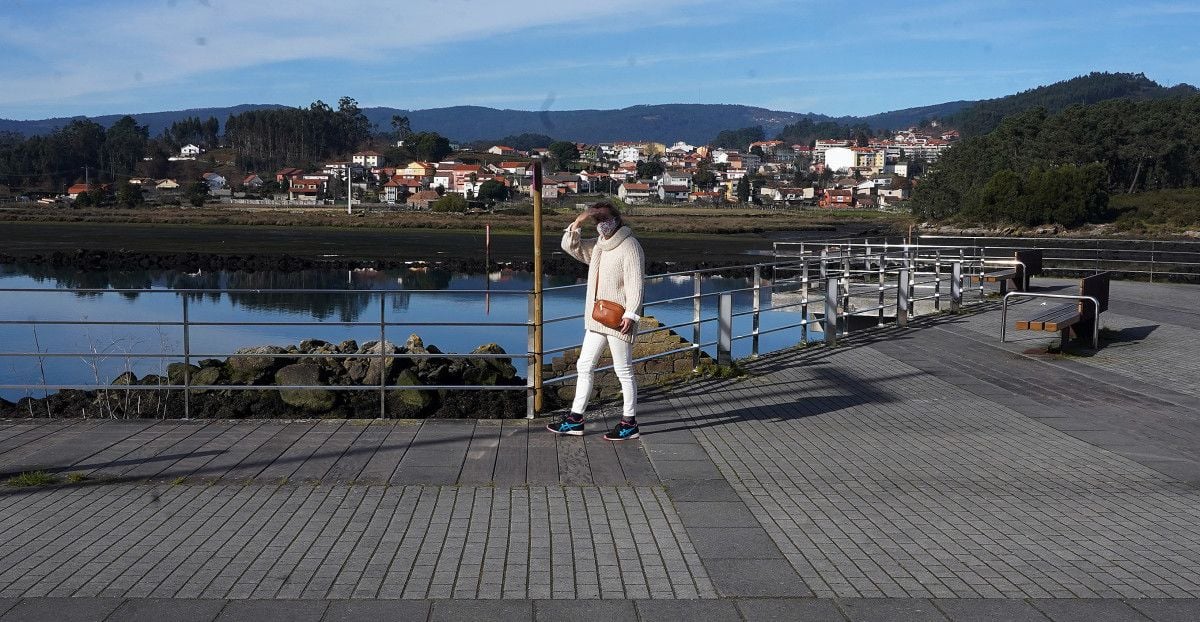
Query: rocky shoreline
{"x": 311, "y": 363}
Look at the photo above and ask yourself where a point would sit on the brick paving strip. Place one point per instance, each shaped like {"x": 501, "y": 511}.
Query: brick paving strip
{"x": 921, "y": 474}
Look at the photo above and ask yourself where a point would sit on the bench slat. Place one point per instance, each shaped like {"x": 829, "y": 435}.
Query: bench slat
{"x": 1053, "y": 319}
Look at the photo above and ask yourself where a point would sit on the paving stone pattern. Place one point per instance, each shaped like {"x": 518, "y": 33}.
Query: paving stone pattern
{"x": 884, "y": 481}
{"x": 238, "y": 542}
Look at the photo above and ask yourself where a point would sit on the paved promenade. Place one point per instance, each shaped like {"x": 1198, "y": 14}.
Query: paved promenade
{"x": 927, "y": 473}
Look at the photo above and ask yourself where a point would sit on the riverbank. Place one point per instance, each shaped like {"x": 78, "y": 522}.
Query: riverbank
{"x": 195, "y": 246}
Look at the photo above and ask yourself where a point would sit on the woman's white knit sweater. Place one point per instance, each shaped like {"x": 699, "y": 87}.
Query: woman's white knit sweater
{"x": 620, "y": 264}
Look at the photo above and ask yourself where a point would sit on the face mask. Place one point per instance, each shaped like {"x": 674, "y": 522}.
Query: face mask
{"x": 607, "y": 228}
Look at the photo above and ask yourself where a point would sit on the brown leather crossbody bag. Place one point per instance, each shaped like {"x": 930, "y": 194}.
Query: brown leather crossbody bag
{"x": 607, "y": 312}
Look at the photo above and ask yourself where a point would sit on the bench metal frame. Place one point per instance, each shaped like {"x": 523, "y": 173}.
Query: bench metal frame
{"x": 1095, "y": 305}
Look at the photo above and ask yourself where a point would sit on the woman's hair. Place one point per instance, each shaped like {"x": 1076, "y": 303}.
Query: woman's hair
{"x": 609, "y": 207}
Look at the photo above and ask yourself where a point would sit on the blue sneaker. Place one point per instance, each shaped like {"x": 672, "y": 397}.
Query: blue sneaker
{"x": 571, "y": 425}
{"x": 624, "y": 431}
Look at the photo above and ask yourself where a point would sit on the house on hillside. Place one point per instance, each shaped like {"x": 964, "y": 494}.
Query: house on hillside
{"x": 190, "y": 151}
{"x": 634, "y": 192}
{"x": 74, "y": 191}
{"x": 502, "y": 150}
{"x": 252, "y": 182}
{"x": 672, "y": 193}
{"x": 367, "y": 159}
{"x": 166, "y": 184}
{"x": 398, "y": 188}
{"x": 307, "y": 187}
{"x": 423, "y": 199}
{"x": 834, "y": 198}
{"x": 284, "y": 174}
{"x": 215, "y": 181}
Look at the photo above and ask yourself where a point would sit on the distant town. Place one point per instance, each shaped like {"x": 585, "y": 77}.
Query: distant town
{"x": 870, "y": 172}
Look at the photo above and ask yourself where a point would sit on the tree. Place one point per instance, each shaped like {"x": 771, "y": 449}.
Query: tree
{"x": 704, "y": 178}
{"x": 124, "y": 146}
{"x": 429, "y": 146}
{"x": 401, "y": 127}
{"x": 451, "y": 202}
{"x": 563, "y": 152}
{"x": 742, "y": 190}
{"x": 129, "y": 195}
{"x": 196, "y": 193}
{"x": 493, "y": 191}
{"x": 738, "y": 139}
{"x": 651, "y": 168}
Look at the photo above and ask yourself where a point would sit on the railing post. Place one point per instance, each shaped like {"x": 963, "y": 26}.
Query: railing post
{"x": 882, "y": 268}
{"x": 696, "y": 320}
{"x": 844, "y": 287}
{"x": 382, "y": 355}
{"x": 532, "y": 360}
{"x": 804, "y": 302}
{"x": 725, "y": 329}
{"x": 1151, "y": 261}
{"x": 956, "y": 286}
{"x": 937, "y": 281}
{"x": 187, "y": 362}
{"x": 831, "y": 311}
{"x": 757, "y": 309}
{"x": 902, "y": 296}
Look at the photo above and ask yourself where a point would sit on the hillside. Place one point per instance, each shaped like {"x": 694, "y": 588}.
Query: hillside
{"x": 985, "y": 116}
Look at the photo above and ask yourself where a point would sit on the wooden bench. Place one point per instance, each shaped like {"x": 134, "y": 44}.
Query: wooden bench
{"x": 1028, "y": 264}
{"x": 1073, "y": 320}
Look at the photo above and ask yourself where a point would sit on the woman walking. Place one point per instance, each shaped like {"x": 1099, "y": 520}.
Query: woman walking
{"x": 616, "y": 266}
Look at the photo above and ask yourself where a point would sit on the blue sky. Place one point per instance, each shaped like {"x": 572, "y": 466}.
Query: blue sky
{"x": 69, "y": 57}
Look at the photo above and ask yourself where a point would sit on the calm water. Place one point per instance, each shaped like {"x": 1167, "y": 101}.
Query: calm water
{"x": 411, "y": 297}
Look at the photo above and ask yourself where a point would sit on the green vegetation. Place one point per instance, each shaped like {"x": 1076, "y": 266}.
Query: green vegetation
{"x": 1034, "y": 160}
{"x": 59, "y": 158}
{"x": 77, "y": 478}
{"x": 806, "y": 131}
{"x": 450, "y": 203}
{"x": 32, "y": 479}
{"x": 521, "y": 142}
{"x": 1156, "y": 213}
{"x": 270, "y": 138}
{"x": 738, "y": 139}
{"x": 1095, "y": 87}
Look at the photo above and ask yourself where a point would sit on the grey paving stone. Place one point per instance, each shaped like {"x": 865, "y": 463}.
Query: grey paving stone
{"x": 997, "y": 609}
{"x": 1168, "y": 609}
{"x": 173, "y": 609}
{"x": 377, "y": 610}
{"x": 789, "y": 610}
{"x": 715, "y": 514}
{"x": 273, "y": 611}
{"x": 700, "y": 490}
{"x": 733, "y": 542}
{"x": 61, "y": 610}
{"x": 584, "y": 611}
{"x": 687, "y": 611}
{"x": 676, "y": 451}
{"x": 481, "y": 610}
{"x": 1089, "y": 610}
{"x": 890, "y": 610}
{"x": 686, "y": 469}
{"x": 756, "y": 578}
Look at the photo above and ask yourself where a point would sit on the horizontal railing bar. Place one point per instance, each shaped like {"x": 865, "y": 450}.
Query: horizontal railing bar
{"x": 264, "y": 387}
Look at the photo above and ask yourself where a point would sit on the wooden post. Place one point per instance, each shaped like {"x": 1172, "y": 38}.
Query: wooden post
{"x": 536, "y": 373}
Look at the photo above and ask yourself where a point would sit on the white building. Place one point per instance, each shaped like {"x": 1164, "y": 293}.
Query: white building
{"x": 190, "y": 151}
{"x": 631, "y": 153}
{"x": 840, "y": 158}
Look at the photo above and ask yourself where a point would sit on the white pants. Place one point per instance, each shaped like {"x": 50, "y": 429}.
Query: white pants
{"x": 622, "y": 354}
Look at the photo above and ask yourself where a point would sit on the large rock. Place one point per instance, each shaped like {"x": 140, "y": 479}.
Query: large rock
{"x": 366, "y": 370}
{"x": 408, "y": 403}
{"x": 175, "y": 372}
{"x": 207, "y": 375}
{"x": 253, "y": 369}
{"x": 503, "y": 367}
{"x": 310, "y": 400}
{"x": 126, "y": 379}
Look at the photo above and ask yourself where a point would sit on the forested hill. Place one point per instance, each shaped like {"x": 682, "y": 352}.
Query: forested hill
{"x": 984, "y": 116}
{"x": 1037, "y": 167}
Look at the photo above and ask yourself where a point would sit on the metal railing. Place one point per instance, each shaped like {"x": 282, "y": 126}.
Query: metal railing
{"x": 831, "y": 285}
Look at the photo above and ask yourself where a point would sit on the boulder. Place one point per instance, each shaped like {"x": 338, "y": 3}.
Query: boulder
{"x": 253, "y": 369}
{"x": 309, "y": 346}
{"x": 310, "y": 400}
{"x": 502, "y": 366}
{"x": 366, "y": 370}
{"x": 408, "y": 403}
{"x": 348, "y": 346}
{"x": 126, "y": 379}
{"x": 175, "y": 372}
{"x": 206, "y": 375}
